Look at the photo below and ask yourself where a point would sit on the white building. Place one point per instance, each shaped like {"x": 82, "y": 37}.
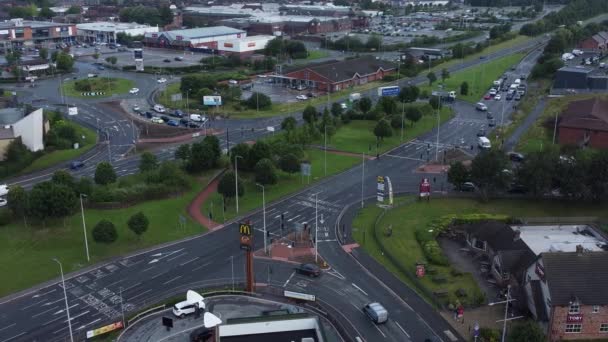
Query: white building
{"x": 246, "y": 45}
{"x": 107, "y": 31}
{"x": 30, "y": 128}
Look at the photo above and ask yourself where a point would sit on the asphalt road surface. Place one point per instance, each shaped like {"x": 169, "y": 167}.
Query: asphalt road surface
{"x": 145, "y": 277}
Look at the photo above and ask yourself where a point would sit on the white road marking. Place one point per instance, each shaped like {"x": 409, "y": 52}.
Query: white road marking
{"x": 358, "y": 288}
{"x": 141, "y": 294}
{"x": 130, "y": 287}
{"x": 379, "y": 330}
{"x": 43, "y": 312}
{"x": 13, "y": 337}
{"x": 201, "y": 266}
{"x": 86, "y": 325}
{"x": 189, "y": 261}
{"x": 51, "y": 321}
{"x": 147, "y": 269}
{"x": 63, "y": 310}
{"x": 8, "y": 326}
{"x": 43, "y": 294}
{"x": 402, "y": 157}
{"x": 291, "y": 276}
{"x": 168, "y": 281}
{"x": 356, "y": 307}
{"x": 79, "y": 315}
{"x": 293, "y": 218}
{"x": 35, "y": 304}
{"x": 177, "y": 256}
{"x": 400, "y": 327}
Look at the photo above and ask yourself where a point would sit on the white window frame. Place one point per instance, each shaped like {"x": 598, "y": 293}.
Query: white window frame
{"x": 575, "y": 328}
{"x": 574, "y": 308}
{"x": 596, "y": 309}
{"x": 604, "y": 328}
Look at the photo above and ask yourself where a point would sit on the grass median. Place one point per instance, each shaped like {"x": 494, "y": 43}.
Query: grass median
{"x": 27, "y": 251}
{"x": 105, "y": 85}
{"x": 402, "y": 243}
{"x": 287, "y": 184}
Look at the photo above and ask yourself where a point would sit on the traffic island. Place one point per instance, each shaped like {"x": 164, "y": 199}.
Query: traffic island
{"x": 97, "y": 87}
{"x": 294, "y": 247}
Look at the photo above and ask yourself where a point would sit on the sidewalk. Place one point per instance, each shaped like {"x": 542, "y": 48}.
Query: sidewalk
{"x": 194, "y": 208}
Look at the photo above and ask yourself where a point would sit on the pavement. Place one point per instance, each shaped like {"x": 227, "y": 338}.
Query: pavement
{"x": 520, "y": 130}
{"x": 147, "y": 276}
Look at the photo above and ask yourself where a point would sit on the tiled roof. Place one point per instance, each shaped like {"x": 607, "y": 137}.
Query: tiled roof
{"x": 339, "y": 71}
{"x": 591, "y": 114}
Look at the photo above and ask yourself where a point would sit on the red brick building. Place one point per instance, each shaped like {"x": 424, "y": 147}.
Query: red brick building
{"x": 585, "y": 123}
{"x": 338, "y": 75}
{"x": 598, "y": 41}
{"x": 568, "y": 294}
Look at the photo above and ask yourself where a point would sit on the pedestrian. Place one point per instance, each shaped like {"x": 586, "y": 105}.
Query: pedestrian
{"x": 434, "y": 180}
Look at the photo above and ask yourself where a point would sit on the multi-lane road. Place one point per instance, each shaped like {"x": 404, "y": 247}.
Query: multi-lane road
{"x": 141, "y": 279}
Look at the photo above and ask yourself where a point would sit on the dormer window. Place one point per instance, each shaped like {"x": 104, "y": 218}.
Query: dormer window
{"x": 575, "y": 308}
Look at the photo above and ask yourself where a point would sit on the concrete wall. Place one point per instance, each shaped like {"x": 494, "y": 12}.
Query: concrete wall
{"x": 31, "y": 130}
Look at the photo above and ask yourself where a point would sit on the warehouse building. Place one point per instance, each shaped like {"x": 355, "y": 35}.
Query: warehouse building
{"x": 106, "y": 32}
{"x": 244, "y": 47}
{"x": 19, "y": 33}
{"x": 279, "y": 25}
{"x": 197, "y": 38}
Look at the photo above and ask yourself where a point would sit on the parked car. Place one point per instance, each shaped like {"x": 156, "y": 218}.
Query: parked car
{"x": 165, "y": 118}
{"x": 487, "y": 97}
{"x": 302, "y": 97}
{"x": 516, "y": 157}
{"x": 311, "y": 270}
{"x": 157, "y": 120}
{"x": 517, "y": 97}
{"x": 193, "y": 125}
{"x": 517, "y": 188}
{"x": 481, "y": 132}
{"x": 3, "y": 202}
{"x": 101, "y": 67}
{"x": 489, "y": 116}
{"x": 136, "y": 109}
{"x": 173, "y": 123}
{"x": 179, "y": 58}
{"x": 376, "y": 312}
{"x": 467, "y": 187}
{"x": 159, "y": 108}
{"x": 187, "y": 307}
{"x": 161, "y": 80}
{"x": 178, "y": 113}
{"x": 492, "y": 123}
{"x": 134, "y": 91}
{"x": 497, "y": 97}
{"x": 510, "y": 96}
{"x": 76, "y": 164}
{"x": 148, "y": 114}
{"x": 184, "y": 121}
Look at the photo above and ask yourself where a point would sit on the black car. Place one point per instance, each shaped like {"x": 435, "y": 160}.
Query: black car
{"x": 510, "y": 96}
{"x": 149, "y": 115}
{"x": 489, "y": 116}
{"x": 481, "y": 132}
{"x": 167, "y": 60}
{"x": 467, "y": 187}
{"x": 184, "y": 121}
{"x": 165, "y": 118}
{"x": 179, "y": 58}
{"x": 311, "y": 270}
{"x": 75, "y": 165}
{"x": 518, "y": 189}
{"x": 193, "y": 125}
{"x": 492, "y": 123}
{"x": 516, "y": 157}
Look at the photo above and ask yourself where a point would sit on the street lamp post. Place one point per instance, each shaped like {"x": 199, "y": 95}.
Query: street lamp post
{"x": 362, "y": 176}
{"x": 504, "y": 321}
{"x": 122, "y": 308}
{"x": 316, "y": 228}
{"x": 325, "y": 150}
{"x": 65, "y": 295}
{"x": 402, "y": 118}
{"x": 236, "y": 180}
{"x": 84, "y": 227}
{"x": 264, "y": 214}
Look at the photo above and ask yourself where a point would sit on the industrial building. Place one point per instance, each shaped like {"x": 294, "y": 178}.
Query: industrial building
{"x": 279, "y": 25}
{"x": 29, "y": 128}
{"x": 19, "y": 33}
{"x": 105, "y": 31}
{"x": 580, "y": 77}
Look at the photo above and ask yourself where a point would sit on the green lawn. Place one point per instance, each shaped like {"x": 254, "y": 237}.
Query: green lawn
{"x": 27, "y": 253}
{"x": 60, "y": 156}
{"x": 287, "y": 184}
{"x": 357, "y": 136}
{"x": 109, "y": 86}
{"x": 480, "y": 77}
{"x": 539, "y": 136}
{"x": 406, "y": 219}
{"x": 316, "y": 54}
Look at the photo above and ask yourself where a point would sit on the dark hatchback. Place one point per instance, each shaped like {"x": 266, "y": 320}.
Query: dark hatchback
{"x": 310, "y": 270}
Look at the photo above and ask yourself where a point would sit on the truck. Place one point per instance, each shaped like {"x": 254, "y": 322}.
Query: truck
{"x": 354, "y": 97}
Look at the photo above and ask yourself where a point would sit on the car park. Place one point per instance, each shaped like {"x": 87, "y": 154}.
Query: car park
{"x": 376, "y": 312}
{"x": 134, "y": 91}
{"x": 310, "y": 270}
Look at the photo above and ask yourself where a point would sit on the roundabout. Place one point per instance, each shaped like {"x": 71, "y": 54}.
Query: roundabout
{"x": 97, "y": 87}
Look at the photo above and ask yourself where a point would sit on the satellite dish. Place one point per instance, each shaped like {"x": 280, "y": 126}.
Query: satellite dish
{"x": 210, "y": 320}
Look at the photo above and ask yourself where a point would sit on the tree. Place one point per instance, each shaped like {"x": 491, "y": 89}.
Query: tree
{"x": 487, "y": 171}
{"x": 138, "y": 223}
{"x": 529, "y": 331}
{"x": 240, "y": 150}
{"x": 597, "y": 176}
{"x": 43, "y": 53}
{"x": 202, "y": 157}
{"x": 310, "y": 114}
{"x": 104, "y": 232}
{"x": 84, "y": 186}
{"x": 537, "y": 170}
{"x": 147, "y": 162}
{"x": 409, "y": 94}
{"x": 365, "y": 104}
{"x": 112, "y": 60}
{"x": 464, "y": 88}
{"x": 46, "y": 13}
{"x": 289, "y": 163}
{"x": 165, "y": 15}
{"x": 226, "y": 186}
{"x": 17, "y": 201}
{"x": 336, "y": 109}
{"x": 387, "y": 104}
{"x": 65, "y": 62}
{"x": 289, "y": 124}
{"x": 445, "y": 74}
{"x": 414, "y": 114}
{"x": 265, "y": 172}
{"x": 431, "y": 77}
{"x": 374, "y": 42}
{"x": 183, "y": 152}
{"x": 63, "y": 177}
{"x": 260, "y": 150}
{"x": 383, "y": 129}
{"x": 48, "y": 199}
{"x": 213, "y": 143}
{"x": 458, "y": 174}
{"x": 74, "y": 9}
{"x": 104, "y": 174}
{"x": 96, "y": 55}
{"x": 258, "y": 101}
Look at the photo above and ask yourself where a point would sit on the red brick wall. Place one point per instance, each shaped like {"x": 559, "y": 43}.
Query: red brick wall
{"x": 589, "y": 43}
{"x": 590, "y": 324}
{"x": 573, "y": 136}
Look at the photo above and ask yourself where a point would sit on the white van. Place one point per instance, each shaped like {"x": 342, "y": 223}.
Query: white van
{"x": 159, "y": 108}
{"x": 517, "y": 81}
{"x": 198, "y": 118}
{"x": 354, "y": 97}
{"x": 480, "y": 106}
{"x": 484, "y": 143}
{"x": 376, "y": 312}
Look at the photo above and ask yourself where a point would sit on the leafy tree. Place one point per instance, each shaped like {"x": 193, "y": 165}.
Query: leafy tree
{"x": 487, "y": 171}
{"x": 147, "y": 162}
{"x": 202, "y": 157}
{"x": 387, "y": 105}
{"x": 260, "y": 150}
{"x": 165, "y": 15}
{"x": 396, "y": 121}
{"x": 17, "y": 201}
{"x": 213, "y": 143}
{"x": 84, "y": 186}
{"x": 597, "y": 176}
{"x": 16, "y": 151}
{"x": 48, "y": 199}
{"x": 43, "y": 53}
{"x": 536, "y": 171}
{"x": 289, "y": 163}
{"x": 365, "y": 104}
{"x": 383, "y": 129}
{"x": 74, "y": 9}
{"x": 65, "y": 62}
{"x": 241, "y": 150}
{"x": 258, "y": 101}
{"x": 289, "y": 124}
{"x": 138, "y": 223}
{"x": 95, "y": 56}
{"x": 104, "y": 232}
{"x": 63, "y": 177}
{"x": 431, "y": 77}
{"x": 414, "y": 114}
{"x": 310, "y": 114}
{"x": 529, "y": 331}
{"x": 104, "y": 174}
{"x": 409, "y": 94}
{"x": 374, "y": 42}
{"x": 226, "y": 186}
{"x": 464, "y": 88}
{"x": 458, "y": 174}
{"x": 46, "y": 13}
{"x": 112, "y": 60}
{"x": 445, "y": 74}
{"x": 265, "y": 172}
{"x": 336, "y": 109}
{"x": 183, "y": 152}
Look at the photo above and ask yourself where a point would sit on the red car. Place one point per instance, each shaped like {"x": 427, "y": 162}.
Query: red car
{"x": 487, "y": 97}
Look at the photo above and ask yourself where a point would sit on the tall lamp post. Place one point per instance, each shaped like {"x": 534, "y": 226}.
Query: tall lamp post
{"x": 236, "y": 180}
{"x": 316, "y": 228}
{"x": 65, "y": 294}
{"x": 504, "y": 321}
{"x": 84, "y": 227}
{"x": 264, "y": 214}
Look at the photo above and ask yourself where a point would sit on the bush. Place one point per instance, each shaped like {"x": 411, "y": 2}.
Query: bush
{"x": 104, "y": 232}
{"x": 265, "y": 172}
{"x": 289, "y": 163}
{"x": 5, "y": 216}
{"x": 396, "y": 121}
{"x": 258, "y": 100}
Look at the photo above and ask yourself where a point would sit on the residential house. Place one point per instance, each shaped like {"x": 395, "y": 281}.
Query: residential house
{"x": 598, "y": 41}
{"x": 584, "y": 123}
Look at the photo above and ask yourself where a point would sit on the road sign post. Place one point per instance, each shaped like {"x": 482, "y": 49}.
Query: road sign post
{"x": 246, "y": 241}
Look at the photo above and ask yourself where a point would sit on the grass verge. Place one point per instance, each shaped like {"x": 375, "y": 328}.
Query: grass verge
{"x": 27, "y": 251}
{"x": 479, "y": 78}
{"x": 109, "y": 86}
{"x": 406, "y": 219}
{"x": 287, "y": 184}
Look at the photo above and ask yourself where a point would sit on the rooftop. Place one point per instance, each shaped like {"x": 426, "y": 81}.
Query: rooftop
{"x": 108, "y": 26}
{"x": 561, "y": 238}
{"x": 197, "y": 33}
{"x": 29, "y": 23}
{"x": 587, "y": 114}
{"x": 285, "y": 328}
{"x": 10, "y": 115}
{"x": 338, "y": 71}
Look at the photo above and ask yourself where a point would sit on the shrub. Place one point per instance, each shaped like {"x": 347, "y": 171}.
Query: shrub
{"x": 104, "y": 232}
{"x": 5, "y": 216}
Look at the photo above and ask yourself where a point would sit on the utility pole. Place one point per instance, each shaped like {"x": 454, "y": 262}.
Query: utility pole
{"x": 555, "y": 127}
{"x": 325, "y": 150}
{"x": 84, "y": 227}
{"x": 65, "y": 295}
{"x": 437, "y": 147}
{"x": 236, "y": 180}
{"x": 316, "y": 227}
{"x": 402, "y": 118}
{"x": 264, "y": 215}
{"x": 362, "y": 176}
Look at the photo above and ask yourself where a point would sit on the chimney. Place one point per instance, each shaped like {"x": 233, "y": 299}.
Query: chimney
{"x": 516, "y": 235}
{"x": 579, "y": 249}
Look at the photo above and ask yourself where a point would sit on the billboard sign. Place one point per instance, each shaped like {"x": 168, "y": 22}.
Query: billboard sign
{"x": 138, "y": 54}
{"x": 305, "y": 169}
{"x": 72, "y": 110}
{"x": 388, "y": 91}
{"x": 245, "y": 239}
{"x": 212, "y": 100}
{"x": 104, "y": 329}
{"x": 298, "y": 295}
{"x": 380, "y": 189}
{"x": 425, "y": 188}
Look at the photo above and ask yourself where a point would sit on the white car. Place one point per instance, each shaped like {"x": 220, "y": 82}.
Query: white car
{"x": 161, "y": 80}
{"x": 136, "y": 109}
{"x": 193, "y": 302}
{"x": 157, "y": 120}
{"x": 3, "y": 190}
{"x": 497, "y": 97}
{"x": 3, "y": 202}
{"x": 134, "y": 90}
{"x": 302, "y": 97}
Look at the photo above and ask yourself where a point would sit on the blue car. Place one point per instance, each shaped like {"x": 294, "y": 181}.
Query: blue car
{"x": 173, "y": 123}
{"x": 75, "y": 165}
{"x": 178, "y": 113}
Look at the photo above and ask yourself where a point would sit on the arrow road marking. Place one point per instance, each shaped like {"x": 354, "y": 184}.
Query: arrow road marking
{"x": 163, "y": 255}
{"x": 153, "y": 261}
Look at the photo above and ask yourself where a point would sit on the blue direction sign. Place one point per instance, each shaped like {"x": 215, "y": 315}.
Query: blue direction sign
{"x": 388, "y": 91}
